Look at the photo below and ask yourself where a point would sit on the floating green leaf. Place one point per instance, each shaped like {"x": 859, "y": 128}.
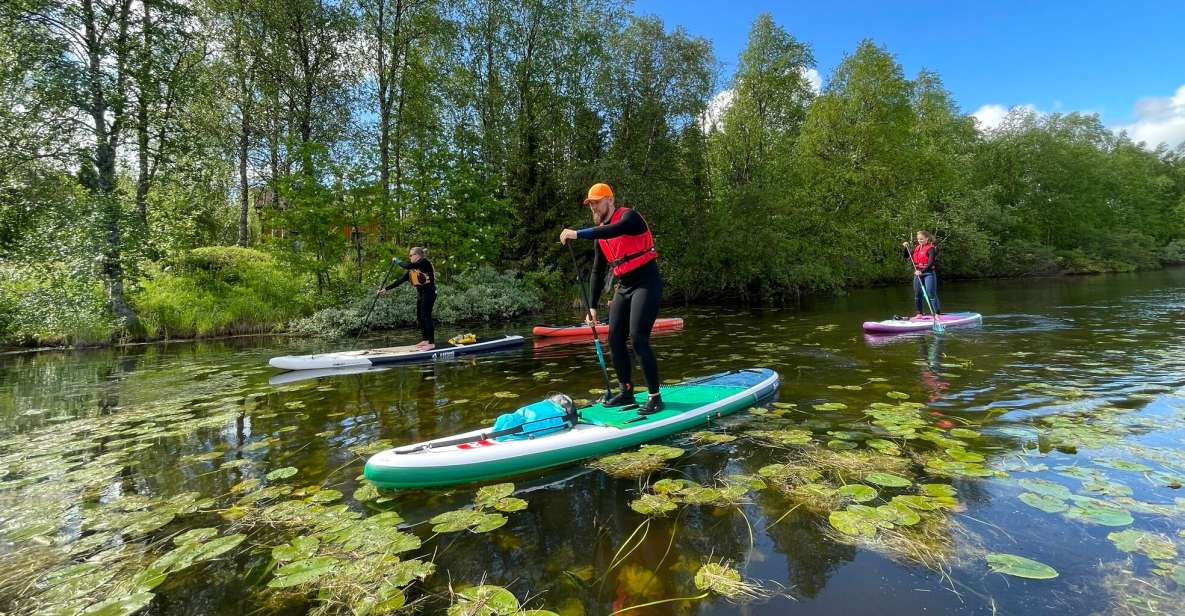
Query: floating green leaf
{"x": 857, "y": 492}
{"x": 1048, "y": 504}
{"x": 887, "y": 480}
{"x": 195, "y": 535}
{"x": 831, "y": 406}
{"x": 899, "y": 513}
{"x": 712, "y": 438}
{"x": 653, "y": 504}
{"x": 487, "y": 495}
{"x": 484, "y": 601}
{"x": 1122, "y": 465}
{"x": 510, "y": 505}
{"x": 1046, "y": 488}
{"x": 367, "y": 492}
{"x": 963, "y": 433}
{"x": 1104, "y": 516}
{"x": 937, "y": 489}
{"x": 850, "y": 523}
{"x": 325, "y": 496}
{"x": 1151, "y": 545}
{"x": 120, "y": 606}
{"x": 303, "y": 571}
{"x": 282, "y": 473}
{"x": 299, "y": 549}
{"x": 1019, "y": 566}
{"x": 717, "y": 578}
{"x": 898, "y": 395}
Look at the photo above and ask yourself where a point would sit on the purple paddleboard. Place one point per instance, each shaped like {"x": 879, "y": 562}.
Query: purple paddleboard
{"x": 892, "y": 326}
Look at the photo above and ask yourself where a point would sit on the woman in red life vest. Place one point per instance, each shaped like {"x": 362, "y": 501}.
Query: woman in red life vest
{"x": 924, "y": 257}
{"x": 624, "y": 243}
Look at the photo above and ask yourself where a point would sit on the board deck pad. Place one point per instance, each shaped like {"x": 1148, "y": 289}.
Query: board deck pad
{"x": 677, "y": 399}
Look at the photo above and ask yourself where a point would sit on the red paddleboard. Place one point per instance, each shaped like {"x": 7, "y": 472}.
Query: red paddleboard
{"x": 556, "y": 331}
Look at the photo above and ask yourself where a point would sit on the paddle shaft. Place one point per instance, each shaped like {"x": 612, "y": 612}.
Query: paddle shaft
{"x": 926, "y": 296}
{"x": 592, "y": 322}
{"x": 366, "y": 320}
{"x": 570, "y": 421}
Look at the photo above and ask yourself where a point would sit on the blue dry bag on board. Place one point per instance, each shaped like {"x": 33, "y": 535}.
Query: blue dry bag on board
{"x": 544, "y": 417}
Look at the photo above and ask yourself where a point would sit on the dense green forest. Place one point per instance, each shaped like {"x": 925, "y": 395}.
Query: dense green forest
{"x": 221, "y": 166}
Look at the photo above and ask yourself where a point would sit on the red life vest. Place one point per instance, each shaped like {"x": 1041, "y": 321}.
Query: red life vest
{"x": 627, "y": 253}
{"x": 921, "y": 255}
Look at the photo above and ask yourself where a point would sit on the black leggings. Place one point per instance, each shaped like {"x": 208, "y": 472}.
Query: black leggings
{"x": 632, "y": 316}
{"x": 424, "y": 303}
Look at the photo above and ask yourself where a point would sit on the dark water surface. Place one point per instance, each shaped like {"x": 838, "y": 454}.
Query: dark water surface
{"x": 1072, "y": 391}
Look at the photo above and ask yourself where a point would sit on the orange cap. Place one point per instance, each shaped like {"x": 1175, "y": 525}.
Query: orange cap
{"x": 598, "y": 191}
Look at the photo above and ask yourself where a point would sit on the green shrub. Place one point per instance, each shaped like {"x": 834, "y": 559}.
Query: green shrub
{"x": 44, "y": 304}
{"x": 218, "y": 290}
{"x": 1126, "y": 251}
{"x": 1076, "y": 261}
{"x": 482, "y": 294}
{"x": 1022, "y": 258}
{"x": 1174, "y": 253}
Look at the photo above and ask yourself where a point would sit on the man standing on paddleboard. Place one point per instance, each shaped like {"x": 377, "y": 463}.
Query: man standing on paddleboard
{"x": 924, "y": 257}
{"x": 422, "y": 276}
{"x": 625, "y": 244}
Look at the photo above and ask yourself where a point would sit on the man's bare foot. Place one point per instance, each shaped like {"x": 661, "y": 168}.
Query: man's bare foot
{"x": 427, "y": 347}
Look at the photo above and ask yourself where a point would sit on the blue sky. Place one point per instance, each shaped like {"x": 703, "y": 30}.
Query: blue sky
{"x": 1124, "y": 60}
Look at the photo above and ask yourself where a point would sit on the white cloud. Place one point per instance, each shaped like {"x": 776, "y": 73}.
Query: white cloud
{"x": 812, "y": 78}
{"x": 989, "y": 117}
{"x": 714, "y": 114}
{"x": 1159, "y": 119}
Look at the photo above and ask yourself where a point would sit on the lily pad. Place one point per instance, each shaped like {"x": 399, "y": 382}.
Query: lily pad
{"x": 717, "y": 578}
{"x": 1122, "y": 465}
{"x": 488, "y": 495}
{"x": 653, "y": 504}
{"x": 300, "y": 549}
{"x": 1104, "y": 516}
{"x": 857, "y": 492}
{"x": 1151, "y": 545}
{"x": 1019, "y": 566}
{"x": 1046, "y": 488}
{"x": 195, "y": 535}
{"x": 850, "y": 523}
{"x": 484, "y": 601}
{"x": 303, "y": 571}
{"x": 897, "y": 395}
{"x": 282, "y": 473}
{"x": 120, "y": 606}
{"x": 887, "y": 480}
{"x": 1048, "y": 504}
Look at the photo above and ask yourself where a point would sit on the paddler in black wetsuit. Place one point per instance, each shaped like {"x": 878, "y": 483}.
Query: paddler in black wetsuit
{"x": 422, "y": 276}
{"x": 625, "y": 244}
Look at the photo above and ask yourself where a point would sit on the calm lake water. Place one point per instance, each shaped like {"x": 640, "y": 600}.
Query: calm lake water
{"x": 1058, "y": 426}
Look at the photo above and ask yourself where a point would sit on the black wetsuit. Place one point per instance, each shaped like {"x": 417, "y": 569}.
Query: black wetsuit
{"x": 635, "y": 304}
{"x": 422, "y": 276}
